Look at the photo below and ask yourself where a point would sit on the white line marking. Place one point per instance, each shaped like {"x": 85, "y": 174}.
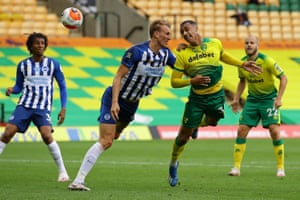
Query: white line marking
{"x": 252, "y": 164}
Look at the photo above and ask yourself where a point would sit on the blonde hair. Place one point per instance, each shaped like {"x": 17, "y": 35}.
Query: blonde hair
{"x": 156, "y": 25}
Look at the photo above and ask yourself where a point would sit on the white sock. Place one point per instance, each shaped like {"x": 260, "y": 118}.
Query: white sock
{"x": 88, "y": 162}
{"x": 56, "y": 155}
{"x": 2, "y": 146}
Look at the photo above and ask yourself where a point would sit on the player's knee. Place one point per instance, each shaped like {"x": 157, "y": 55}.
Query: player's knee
{"x": 5, "y": 138}
{"x": 9, "y": 132}
{"x": 107, "y": 145}
{"x": 48, "y": 139}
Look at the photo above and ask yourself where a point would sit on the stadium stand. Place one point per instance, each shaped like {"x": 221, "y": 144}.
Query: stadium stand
{"x": 281, "y": 13}
{"x": 21, "y": 17}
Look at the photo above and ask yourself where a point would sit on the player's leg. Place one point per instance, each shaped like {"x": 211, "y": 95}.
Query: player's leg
{"x": 278, "y": 148}
{"x": 271, "y": 120}
{"x": 178, "y": 147}
{"x": 9, "y": 132}
{"x": 54, "y": 149}
{"x": 108, "y": 131}
{"x": 41, "y": 118}
{"x": 106, "y": 137}
{"x": 249, "y": 118}
{"x": 239, "y": 149}
{"x": 18, "y": 122}
{"x": 192, "y": 116}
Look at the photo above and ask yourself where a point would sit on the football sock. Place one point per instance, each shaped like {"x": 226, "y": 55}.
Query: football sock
{"x": 238, "y": 151}
{"x": 88, "y": 162}
{"x": 177, "y": 151}
{"x": 56, "y": 155}
{"x": 2, "y": 146}
{"x": 279, "y": 153}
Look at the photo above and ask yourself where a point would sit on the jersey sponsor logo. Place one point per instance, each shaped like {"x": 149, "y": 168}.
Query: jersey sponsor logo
{"x": 199, "y": 56}
{"x": 255, "y": 80}
{"x": 38, "y": 80}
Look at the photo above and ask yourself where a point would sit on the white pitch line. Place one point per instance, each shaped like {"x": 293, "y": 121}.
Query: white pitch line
{"x": 266, "y": 165}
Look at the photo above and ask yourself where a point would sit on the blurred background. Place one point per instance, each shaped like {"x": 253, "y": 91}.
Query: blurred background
{"x": 91, "y": 54}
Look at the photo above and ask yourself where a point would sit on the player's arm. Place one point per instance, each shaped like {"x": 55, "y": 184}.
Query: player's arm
{"x": 17, "y": 88}
{"x": 235, "y": 104}
{"x": 281, "y": 89}
{"x": 60, "y": 79}
{"x": 116, "y": 86}
{"x": 178, "y": 79}
{"x": 249, "y": 66}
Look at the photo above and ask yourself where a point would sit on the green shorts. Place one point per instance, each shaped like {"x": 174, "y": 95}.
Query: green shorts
{"x": 211, "y": 105}
{"x": 256, "y": 110}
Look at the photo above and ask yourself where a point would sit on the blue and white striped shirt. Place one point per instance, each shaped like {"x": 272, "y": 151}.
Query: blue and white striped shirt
{"x": 145, "y": 70}
{"x": 35, "y": 80}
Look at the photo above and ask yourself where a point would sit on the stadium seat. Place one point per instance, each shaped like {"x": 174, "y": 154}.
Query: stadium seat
{"x": 252, "y": 7}
{"x": 276, "y": 35}
{"x": 287, "y": 35}
{"x": 273, "y": 8}
{"x": 254, "y": 29}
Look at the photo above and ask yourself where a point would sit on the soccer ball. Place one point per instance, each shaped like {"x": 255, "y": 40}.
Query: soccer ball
{"x": 71, "y": 18}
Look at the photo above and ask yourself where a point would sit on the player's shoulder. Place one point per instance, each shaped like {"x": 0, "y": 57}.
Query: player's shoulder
{"x": 53, "y": 60}
{"x": 265, "y": 57}
{"x": 24, "y": 60}
{"x": 211, "y": 40}
{"x": 140, "y": 46}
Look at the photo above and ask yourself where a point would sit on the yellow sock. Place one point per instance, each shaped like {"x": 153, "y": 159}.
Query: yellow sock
{"x": 279, "y": 153}
{"x": 238, "y": 152}
{"x": 177, "y": 151}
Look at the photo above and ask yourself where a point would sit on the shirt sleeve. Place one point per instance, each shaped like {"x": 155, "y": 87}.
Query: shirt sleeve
{"x": 19, "y": 80}
{"x": 60, "y": 78}
{"x": 171, "y": 59}
{"x": 130, "y": 57}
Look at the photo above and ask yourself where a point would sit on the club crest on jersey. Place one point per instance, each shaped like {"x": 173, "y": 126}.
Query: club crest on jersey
{"x": 45, "y": 68}
{"x": 203, "y": 47}
{"x": 107, "y": 116}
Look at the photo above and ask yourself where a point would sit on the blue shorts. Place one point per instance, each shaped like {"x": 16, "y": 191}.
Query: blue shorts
{"x": 127, "y": 109}
{"x": 21, "y": 117}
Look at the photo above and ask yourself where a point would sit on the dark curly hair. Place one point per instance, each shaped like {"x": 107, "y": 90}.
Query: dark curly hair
{"x": 31, "y": 39}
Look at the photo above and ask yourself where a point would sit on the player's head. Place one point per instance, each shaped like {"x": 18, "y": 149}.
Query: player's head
{"x": 160, "y": 32}
{"x": 251, "y": 45}
{"x": 37, "y": 43}
{"x": 189, "y": 31}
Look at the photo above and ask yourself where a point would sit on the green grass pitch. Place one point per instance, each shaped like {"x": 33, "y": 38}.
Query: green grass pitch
{"x": 138, "y": 170}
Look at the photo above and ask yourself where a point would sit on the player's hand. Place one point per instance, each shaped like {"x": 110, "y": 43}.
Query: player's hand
{"x": 61, "y": 116}
{"x": 277, "y": 103}
{"x": 251, "y": 67}
{"x": 181, "y": 46}
{"x": 235, "y": 105}
{"x": 200, "y": 80}
{"x": 114, "y": 111}
{"x": 9, "y": 91}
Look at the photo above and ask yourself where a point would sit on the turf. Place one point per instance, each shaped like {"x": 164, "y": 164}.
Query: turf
{"x": 138, "y": 170}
